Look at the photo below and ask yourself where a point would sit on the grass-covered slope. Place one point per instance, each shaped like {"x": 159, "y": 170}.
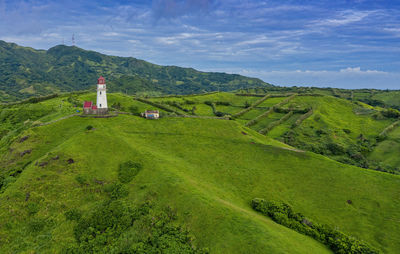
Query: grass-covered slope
{"x": 211, "y": 197}
{"x": 386, "y": 153}
{"x": 26, "y": 72}
{"x": 338, "y": 128}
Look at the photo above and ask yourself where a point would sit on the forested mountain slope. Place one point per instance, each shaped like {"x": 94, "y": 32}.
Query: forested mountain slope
{"x": 26, "y": 72}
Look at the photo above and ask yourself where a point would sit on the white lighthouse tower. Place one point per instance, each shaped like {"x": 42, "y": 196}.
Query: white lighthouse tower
{"x": 101, "y": 96}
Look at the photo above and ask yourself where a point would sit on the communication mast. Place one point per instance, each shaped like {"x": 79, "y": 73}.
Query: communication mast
{"x": 73, "y": 39}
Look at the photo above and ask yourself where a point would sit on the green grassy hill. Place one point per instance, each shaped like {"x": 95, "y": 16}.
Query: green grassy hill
{"x": 335, "y": 127}
{"x": 26, "y": 72}
{"x": 58, "y": 180}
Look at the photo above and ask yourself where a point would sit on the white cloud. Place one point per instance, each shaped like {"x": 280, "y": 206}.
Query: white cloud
{"x": 358, "y": 70}
{"x": 345, "y": 17}
{"x": 111, "y": 34}
{"x": 344, "y": 78}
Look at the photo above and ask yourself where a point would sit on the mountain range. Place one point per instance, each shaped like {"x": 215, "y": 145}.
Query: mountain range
{"x": 27, "y": 72}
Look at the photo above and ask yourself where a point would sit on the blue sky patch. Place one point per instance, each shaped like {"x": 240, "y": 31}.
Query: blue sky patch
{"x": 349, "y": 44}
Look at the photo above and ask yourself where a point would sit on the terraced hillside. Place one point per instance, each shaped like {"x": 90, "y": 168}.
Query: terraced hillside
{"x": 56, "y": 177}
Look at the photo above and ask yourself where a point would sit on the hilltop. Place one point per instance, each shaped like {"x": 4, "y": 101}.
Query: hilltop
{"x": 27, "y": 72}
{"x": 58, "y": 169}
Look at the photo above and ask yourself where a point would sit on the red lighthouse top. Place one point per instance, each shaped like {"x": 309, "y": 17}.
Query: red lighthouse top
{"x": 101, "y": 81}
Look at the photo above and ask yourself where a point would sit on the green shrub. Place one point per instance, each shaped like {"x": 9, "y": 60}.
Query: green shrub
{"x": 219, "y": 113}
{"x": 89, "y": 127}
{"x": 32, "y": 208}
{"x": 335, "y": 148}
{"x": 116, "y": 105}
{"x": 73, "y": 214}
{"x": 115, "y": 226}
{"x": 73, "y": 100}
{"x": 338, "y": 242}
{"x": 128, "y": 170}
{"x": 6, "y": 182}
{"x": 189, "y": 102}
{"x": 81, "y": 180}
{"x": 116, "y": 190}
{"x": 347, "y": 131}
{"x": 224, "y": 103}
{"x": 134, "y": 110}
{"x": 391, "y": 113}
{"x": 36, "y": 225}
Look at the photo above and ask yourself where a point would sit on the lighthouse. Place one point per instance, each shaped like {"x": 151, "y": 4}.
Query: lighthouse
{"x": 101, "y": 96}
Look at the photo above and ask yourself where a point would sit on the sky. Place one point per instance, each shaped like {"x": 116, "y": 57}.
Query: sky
{"x": 324, "y": 43}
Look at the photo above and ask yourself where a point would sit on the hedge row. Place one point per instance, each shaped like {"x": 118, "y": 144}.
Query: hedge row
{"x": 276, "y": 123}
{"x": 182, "y": 95}
{"x": 255, "y": 104}
{"x": 214, "y": 107}
{"x": 250, "y": 94}
{"x": 287, "y": 110}
{"x": 311, "y": 94}
{"x": 263, "y": 115}
{"x": 177, "y": 105}
{"x": 262, "y": 95}
{"x": 388, "y": 129}
{"x": 337, "y": 241}
{"x": 269, "y": 111}
{"x": 158, "y": 105}
{"x": 302, "y": 118}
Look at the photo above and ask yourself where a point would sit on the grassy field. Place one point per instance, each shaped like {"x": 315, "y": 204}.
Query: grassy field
{"x": 210, "y": 196}
{"x": 391, "y": 98}
{"x": 387, "y": 151}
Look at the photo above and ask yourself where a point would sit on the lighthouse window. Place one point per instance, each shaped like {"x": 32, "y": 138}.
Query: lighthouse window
{"x": 100, "y": 93}
{"x": 100, "y": 105}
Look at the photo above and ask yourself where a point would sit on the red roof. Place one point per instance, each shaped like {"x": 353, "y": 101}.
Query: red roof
{"x": 101, "y": 80}
{"x": 87, "y": 104}
{"x": 94, "y": 107}
{"x": 151, "y": 111}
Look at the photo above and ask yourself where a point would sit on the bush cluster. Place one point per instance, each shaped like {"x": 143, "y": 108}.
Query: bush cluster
{"x": 115, "y": 226}
{"x": 116, "y": 190}
{"x": 337, "y": 241}
{"x": 128, "y": 170}
{"x": 391, "y": 113}
{"x": 116, "y": 105}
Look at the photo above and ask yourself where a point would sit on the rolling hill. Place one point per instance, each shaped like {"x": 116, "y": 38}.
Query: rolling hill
{"x": 26, "y": 72}
{"x": 61, "y": 173}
